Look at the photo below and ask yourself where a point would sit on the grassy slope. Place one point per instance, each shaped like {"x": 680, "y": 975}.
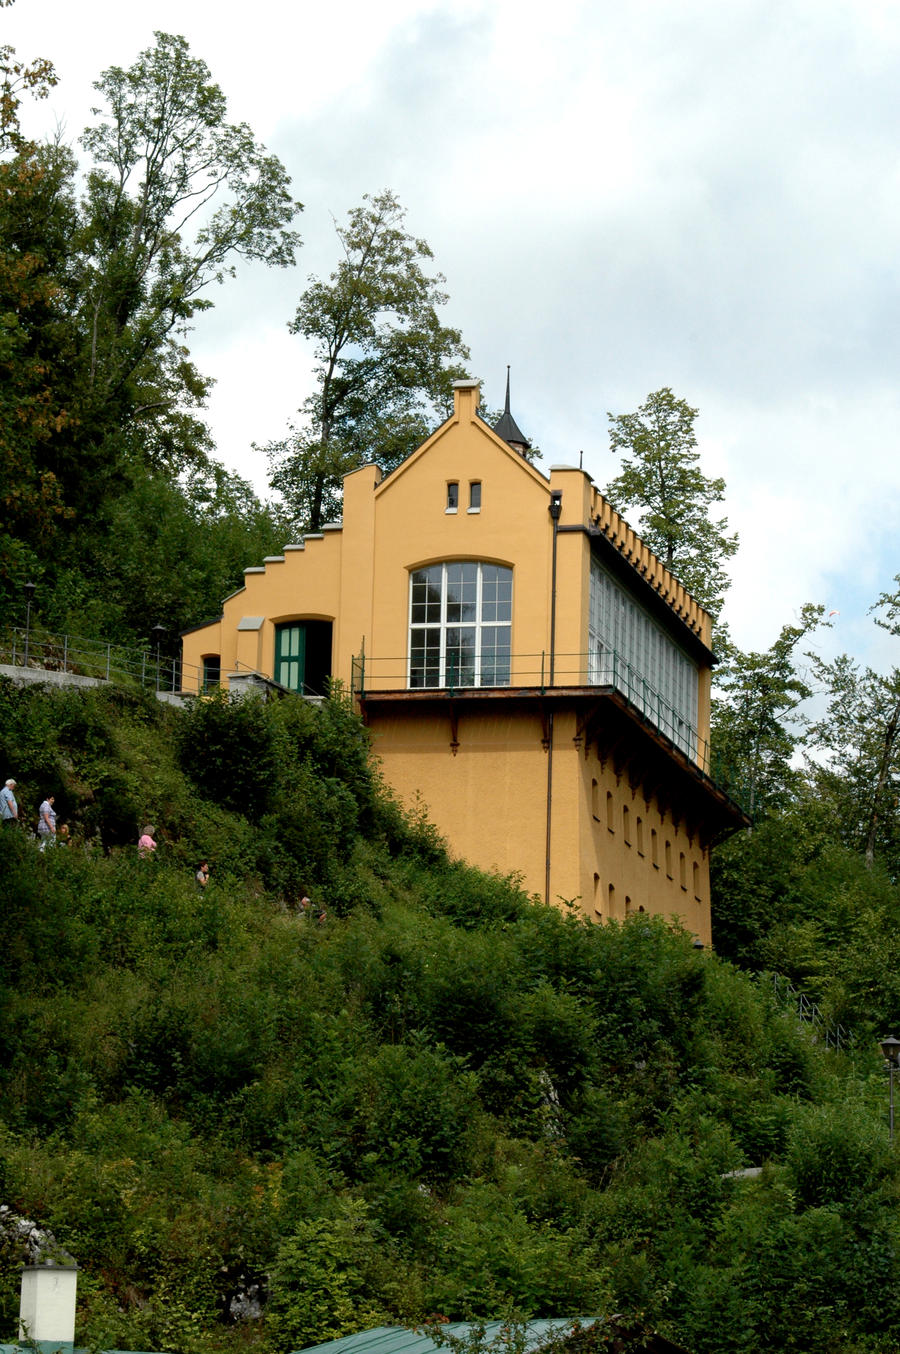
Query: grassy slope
{"x": 446, "y": 1099}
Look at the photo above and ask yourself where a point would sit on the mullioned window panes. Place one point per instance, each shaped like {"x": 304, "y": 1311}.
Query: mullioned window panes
{"x": 460, "y": 624}
{"x": 630, "y": 652}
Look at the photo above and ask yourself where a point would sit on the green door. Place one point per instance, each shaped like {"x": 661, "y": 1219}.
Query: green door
{"x": 290, "y": 655}
{"x": 303, "y": 656}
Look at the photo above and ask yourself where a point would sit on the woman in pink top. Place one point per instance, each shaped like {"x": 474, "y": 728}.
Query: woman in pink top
{"x": 146, "y": 844}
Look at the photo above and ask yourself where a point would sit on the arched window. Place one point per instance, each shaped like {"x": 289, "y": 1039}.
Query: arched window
{"x": 460, "y": 616}
{"x": 212, "y": 671}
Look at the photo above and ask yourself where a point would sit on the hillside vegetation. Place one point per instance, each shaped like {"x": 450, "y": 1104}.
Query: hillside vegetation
{"x": 446, "y": 1099}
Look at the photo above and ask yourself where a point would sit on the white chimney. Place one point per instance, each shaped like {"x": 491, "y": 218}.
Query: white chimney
{"x": 47, "y": 1306}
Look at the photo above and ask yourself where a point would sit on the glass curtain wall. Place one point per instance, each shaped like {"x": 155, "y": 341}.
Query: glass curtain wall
{"x": 628, "y": 650}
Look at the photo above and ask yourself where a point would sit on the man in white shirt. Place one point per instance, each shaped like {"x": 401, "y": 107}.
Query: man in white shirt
{"x": 9, "y": 809}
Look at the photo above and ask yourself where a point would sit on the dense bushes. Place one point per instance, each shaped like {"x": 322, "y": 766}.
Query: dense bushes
{"x": 446, "y": 1098}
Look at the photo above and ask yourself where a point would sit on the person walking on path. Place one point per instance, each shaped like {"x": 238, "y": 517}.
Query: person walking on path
{"x": 47, "y": 821}
{"x": 9, "y": 809}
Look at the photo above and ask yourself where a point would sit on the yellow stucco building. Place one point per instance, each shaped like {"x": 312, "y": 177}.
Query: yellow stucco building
{"x": 530, "y": 672}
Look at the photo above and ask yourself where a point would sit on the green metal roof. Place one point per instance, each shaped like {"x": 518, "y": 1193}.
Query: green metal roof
{"x": 402, "y": 1340}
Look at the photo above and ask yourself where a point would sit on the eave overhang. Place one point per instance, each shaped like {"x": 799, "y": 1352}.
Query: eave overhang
{"x": 605, "y": 719}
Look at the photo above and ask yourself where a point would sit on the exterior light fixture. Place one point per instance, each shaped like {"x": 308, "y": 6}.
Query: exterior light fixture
{"x": 157, "y": 633}
{"x": 555, "y": 504}
{"x": 890, "y": 1047}
{"x": 29, "y": 590}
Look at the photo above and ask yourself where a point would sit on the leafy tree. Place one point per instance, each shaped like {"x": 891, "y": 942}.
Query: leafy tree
{"x": 384, "y": 361}
{"x": 33, "y": 230}
{"x": 96, "y": 294}
{"x": 661, "y": 480}
{"x": 210, "y": 523}
{"x": 857, "y": 739}
{"x": 166, "y": 162}
{"x": 16, "y": 78}
{"x": 753, "y": 731}
{"x": 858, "y": 768}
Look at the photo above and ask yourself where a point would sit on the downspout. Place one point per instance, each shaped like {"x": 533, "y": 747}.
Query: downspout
{"x": 555, "y": 510}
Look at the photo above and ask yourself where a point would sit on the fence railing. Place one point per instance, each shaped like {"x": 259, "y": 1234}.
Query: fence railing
{"x": 499, "y": 669}
{"x": 104, "y": 660}
{"x": 37, "y": 648}
{"x": 831, "y": 1033}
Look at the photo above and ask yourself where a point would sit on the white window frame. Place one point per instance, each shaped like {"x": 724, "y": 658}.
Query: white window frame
{"x": 479, "y": 625}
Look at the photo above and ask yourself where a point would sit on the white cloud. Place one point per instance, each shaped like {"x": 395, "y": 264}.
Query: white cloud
{"x": 692, "y": 195}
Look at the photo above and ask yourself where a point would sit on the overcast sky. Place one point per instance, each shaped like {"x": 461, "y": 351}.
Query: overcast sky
{"x": 668, "y": 192}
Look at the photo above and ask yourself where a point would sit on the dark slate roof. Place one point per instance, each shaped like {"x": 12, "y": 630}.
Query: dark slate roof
{"x": 507, "y": 427}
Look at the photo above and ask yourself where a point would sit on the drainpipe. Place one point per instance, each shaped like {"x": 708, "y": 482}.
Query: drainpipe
{"x": 47, "y": 1307}
{"x": 555, "y": 510}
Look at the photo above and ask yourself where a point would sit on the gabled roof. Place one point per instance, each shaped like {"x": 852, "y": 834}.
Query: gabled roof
{"x": 454, "y": 421}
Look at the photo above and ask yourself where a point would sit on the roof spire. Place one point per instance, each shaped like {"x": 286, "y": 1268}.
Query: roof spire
{"x": 507, "y": 427}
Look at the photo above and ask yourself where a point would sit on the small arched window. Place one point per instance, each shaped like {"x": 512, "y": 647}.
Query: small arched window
{"x": 212, "y": 671}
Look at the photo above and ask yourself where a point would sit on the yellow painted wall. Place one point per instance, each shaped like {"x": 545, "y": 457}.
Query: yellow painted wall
{"x": 489, "y": 800}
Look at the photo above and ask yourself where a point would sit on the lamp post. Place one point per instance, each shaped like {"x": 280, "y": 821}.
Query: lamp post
{"x": 157, "y": 633}
{"x": 890, "y": 1047}
{"x": 29, "y": 590}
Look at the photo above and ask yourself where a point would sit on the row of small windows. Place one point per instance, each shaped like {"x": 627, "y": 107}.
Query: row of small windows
{"x": 630, "y": 909}
{"x": 474, "y": 496}
{"x": 634, "y": 835}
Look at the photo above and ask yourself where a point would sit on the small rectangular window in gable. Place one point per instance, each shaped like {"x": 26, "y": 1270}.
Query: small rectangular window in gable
{"x": 475, "y": 496}
{"x": 452, "y": 496}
